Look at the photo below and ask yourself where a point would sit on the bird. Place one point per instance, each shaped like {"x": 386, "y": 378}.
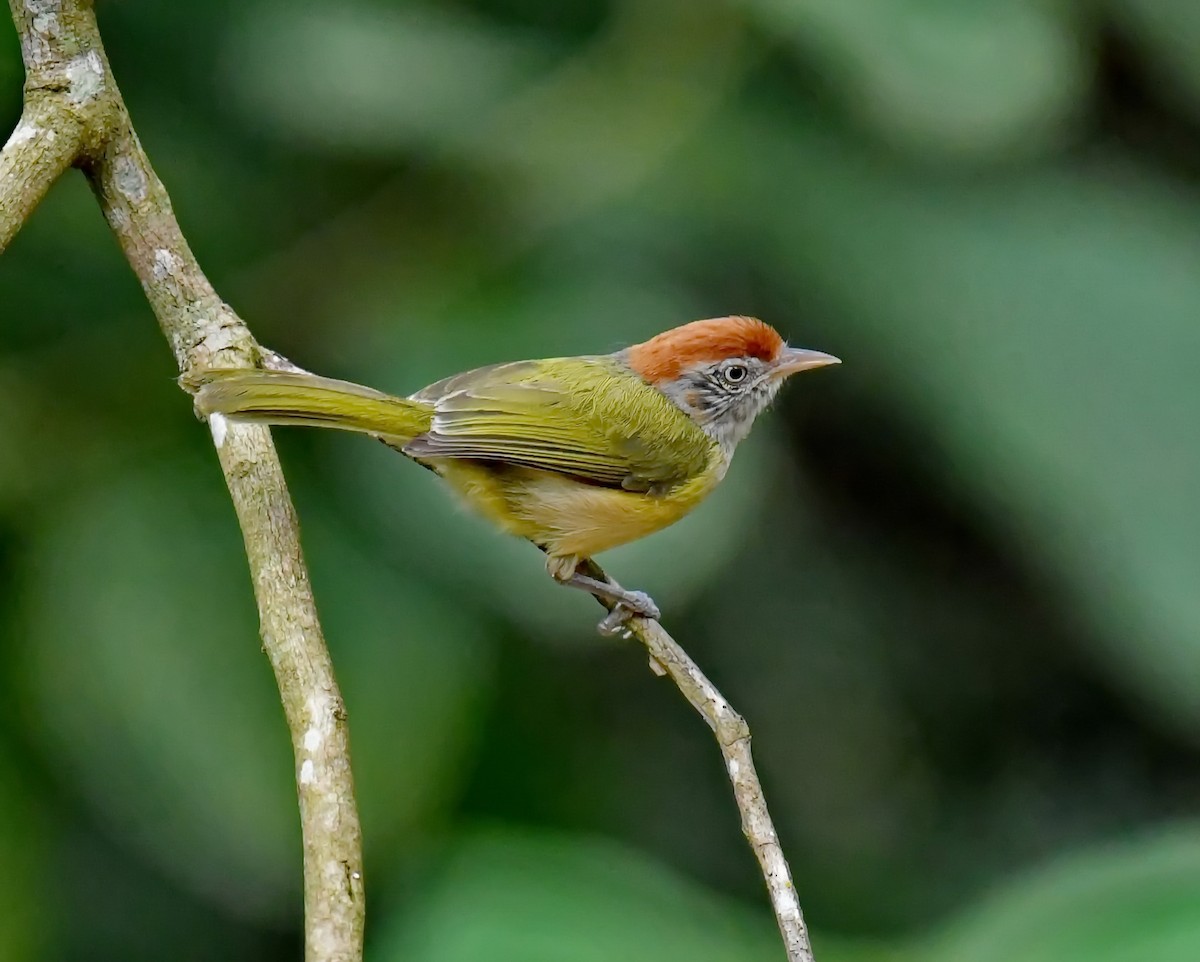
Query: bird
{"x": 575, "y": 454}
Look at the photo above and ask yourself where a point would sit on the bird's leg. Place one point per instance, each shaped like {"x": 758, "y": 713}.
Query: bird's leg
{"x": 624, "y": 604}
{"x": 637, "y": 602}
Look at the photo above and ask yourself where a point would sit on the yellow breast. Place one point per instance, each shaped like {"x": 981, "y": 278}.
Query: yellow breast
{"x": 568, "y": 517}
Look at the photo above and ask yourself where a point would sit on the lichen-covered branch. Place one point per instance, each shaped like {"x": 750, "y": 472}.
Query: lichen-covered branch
{"x": 667, "y": 657}
{"x": 74, "y": 116}
{"x": 34, "y": 157}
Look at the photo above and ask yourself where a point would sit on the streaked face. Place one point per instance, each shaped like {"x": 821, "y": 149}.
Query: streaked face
{"x": 726, "y": 396}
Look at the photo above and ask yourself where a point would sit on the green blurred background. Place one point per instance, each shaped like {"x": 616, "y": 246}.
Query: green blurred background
{"x": 954, "y": 584}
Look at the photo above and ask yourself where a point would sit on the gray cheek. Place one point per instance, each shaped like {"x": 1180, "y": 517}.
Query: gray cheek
{"x": 681, "y": 394}
{"x": 729, "y": 431}
{"x": 744, "y": 413}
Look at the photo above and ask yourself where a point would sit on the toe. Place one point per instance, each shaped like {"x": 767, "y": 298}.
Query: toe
{"x": 642, "y": 604}
{"x": 614, "y": 621}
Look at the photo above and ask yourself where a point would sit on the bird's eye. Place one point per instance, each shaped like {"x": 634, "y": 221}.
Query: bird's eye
{"x": 735, "y": 373}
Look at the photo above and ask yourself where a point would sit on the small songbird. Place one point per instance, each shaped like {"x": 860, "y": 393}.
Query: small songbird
{"x": 576, "y": 454}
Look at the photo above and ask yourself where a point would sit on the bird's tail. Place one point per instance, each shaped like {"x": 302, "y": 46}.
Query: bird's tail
{"x": 286, "y": 397}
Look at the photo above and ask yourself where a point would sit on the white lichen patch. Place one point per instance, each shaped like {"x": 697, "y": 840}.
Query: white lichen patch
{"x": 85, "y": 77}
{"x": 24, "y": 133}
{"x": 320, "y": 709}
{"x": 130, "y": 180}
{"x": 36, "y": 42}
{"x": 46, "y": 24}
{"x": 43, "y": 8}
{"x": 220, "y": 339}
{"x": 788, "y": 908}
{"x": 165, "y": 264}
{"x": 219, "y": 427}
{"x": 734, "y": 768}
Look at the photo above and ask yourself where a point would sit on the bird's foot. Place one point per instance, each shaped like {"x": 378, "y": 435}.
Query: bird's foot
{"x": 625, "y": 604}
{"x": 634, "y": 604}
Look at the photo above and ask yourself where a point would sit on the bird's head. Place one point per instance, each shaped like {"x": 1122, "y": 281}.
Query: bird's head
{"x": 722, "y": 372}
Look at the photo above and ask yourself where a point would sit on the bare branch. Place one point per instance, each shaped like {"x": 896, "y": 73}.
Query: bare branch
{"x": 74, "y": 115}
{"x": 733, "y": 736}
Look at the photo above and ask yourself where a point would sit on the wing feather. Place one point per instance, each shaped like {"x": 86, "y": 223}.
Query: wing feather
{"x": 583, "y": 417}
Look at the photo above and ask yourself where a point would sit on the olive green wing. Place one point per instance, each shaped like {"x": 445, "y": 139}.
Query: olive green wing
{"x": 587, "y": 418}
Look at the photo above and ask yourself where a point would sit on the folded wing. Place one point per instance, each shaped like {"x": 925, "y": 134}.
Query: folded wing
{"x": 587, "y": 418}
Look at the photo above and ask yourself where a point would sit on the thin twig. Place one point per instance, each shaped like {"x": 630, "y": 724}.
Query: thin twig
{"x": 74, "y": 115}
{"x": 733, "y": 736}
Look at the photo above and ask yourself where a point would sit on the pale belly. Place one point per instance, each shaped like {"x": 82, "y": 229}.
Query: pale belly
{"x": 566, "y": 517}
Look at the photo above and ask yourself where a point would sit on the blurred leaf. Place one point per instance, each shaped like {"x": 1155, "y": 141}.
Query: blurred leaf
{"x": 22, "y": 893}
{"x": 414, "y": 668}
{"x": 564, "y": 140}
{"x": 373, "y": 80}
{"x": 63, "y": 276}
{"x": 11, "y": 75}
{"x": 962, "y": 78}
{"x": 1168, "y": 31}
{"x": 143, "y": 635}
{"x": 838, "y": 950}
{"x": 619, "y": 111}
{"x": 21, "y": 450}
{"x": 515, "y": 896}
{"x": 1137, "y": 901}
{"x": 1044, "y": 326}
{"x": 32, "y": 471}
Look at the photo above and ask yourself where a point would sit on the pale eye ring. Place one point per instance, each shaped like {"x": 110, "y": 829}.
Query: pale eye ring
{"x": 735, "y": 373}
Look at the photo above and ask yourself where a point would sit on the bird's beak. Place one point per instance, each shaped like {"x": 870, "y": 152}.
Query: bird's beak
{"x": 794, "y": 359}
